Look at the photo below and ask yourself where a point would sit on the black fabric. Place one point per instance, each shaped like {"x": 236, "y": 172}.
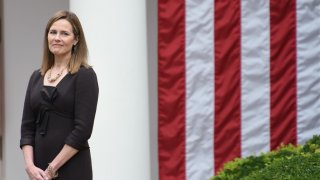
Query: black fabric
{"x": 55, "y": 116}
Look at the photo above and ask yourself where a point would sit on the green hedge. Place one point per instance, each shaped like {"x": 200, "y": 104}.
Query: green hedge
{"x": 287, "y": 162}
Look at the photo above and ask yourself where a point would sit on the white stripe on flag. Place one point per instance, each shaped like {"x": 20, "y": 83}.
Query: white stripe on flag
{"x": 255, "y": 86}
{"x": 308, "y": 77}
{"x": 199, "y": 89}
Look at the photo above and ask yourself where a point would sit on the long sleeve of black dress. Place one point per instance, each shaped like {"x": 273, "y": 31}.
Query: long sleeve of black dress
{"x": 86, "y": 97}
{"x": 28, "y": 126}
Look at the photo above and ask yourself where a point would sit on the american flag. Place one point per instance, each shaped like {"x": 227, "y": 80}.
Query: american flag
{"x": 235, "y": 78}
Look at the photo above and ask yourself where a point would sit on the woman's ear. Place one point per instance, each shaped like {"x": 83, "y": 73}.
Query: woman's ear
{"x": 75, "y": 42}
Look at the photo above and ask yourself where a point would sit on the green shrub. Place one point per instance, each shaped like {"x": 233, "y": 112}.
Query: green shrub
{"x": 287, "y": 162}
{"x": 297, "y": 167}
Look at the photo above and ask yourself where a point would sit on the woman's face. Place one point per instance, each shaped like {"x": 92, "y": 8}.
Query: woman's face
{"x": 61, "y": 38}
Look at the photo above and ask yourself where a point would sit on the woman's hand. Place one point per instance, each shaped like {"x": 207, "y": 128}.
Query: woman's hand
{"x": 36, "y": 173}
{"x": 51, "y": 173}
{"x": 49, "y": 177}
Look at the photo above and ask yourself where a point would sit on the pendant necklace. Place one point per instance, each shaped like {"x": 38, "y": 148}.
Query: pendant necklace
{"x": 51, "y": 80}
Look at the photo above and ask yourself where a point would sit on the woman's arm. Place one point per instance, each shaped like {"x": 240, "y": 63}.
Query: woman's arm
{"x": 85, "y": 104}
{"x": 64, "y": 155}
{"x": 28, "y": 133}
{"x": 33, "y": 171}
{"x": 28, "y": 155}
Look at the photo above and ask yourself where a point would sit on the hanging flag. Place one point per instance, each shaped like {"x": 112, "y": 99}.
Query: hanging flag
{"x": 235, "y": 78}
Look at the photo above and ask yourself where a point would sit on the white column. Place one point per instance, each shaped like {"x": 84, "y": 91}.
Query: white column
{"x": 116, "y": 37}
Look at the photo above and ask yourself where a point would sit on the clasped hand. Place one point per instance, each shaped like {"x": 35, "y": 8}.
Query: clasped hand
{"x": 36, "y": 173}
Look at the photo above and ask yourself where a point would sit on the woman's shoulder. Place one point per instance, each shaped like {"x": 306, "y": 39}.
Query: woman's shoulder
{"x": 86, "y": 75}
{"x": 86, "y": 71}
{"x": 35, "y": 74}
{"x": 34, "y": 77}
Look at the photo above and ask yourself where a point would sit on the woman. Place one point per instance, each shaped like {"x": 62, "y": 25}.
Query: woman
{"x": 60, "y": 105}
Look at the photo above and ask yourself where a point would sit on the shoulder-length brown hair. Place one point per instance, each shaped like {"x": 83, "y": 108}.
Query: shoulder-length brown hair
{"x": 79, "y": 53}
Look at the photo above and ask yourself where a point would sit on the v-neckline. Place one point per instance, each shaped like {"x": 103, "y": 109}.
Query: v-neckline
{"x": 43, "y": 78}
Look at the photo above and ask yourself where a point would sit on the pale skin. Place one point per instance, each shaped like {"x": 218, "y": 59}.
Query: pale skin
{"x": 60, "y": 42}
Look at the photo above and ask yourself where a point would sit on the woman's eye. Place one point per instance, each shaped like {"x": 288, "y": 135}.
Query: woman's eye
{"x": 61, "y": 33}
{"x": 52, "y": 32}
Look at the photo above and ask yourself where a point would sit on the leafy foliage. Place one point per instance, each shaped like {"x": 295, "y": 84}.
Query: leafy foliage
{"x": 287, "y": 162}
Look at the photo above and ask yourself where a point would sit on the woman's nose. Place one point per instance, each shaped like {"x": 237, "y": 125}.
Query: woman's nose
{"x": 57, "y": 37}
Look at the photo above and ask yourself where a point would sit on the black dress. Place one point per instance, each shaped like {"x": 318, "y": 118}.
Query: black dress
{"x": 55, "y": 116}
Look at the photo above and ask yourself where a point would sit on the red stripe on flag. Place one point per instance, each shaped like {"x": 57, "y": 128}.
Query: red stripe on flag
{"x": 283, "y": 124}
{"x": 227, "y": 82}
{"x": 171, "y": 89}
